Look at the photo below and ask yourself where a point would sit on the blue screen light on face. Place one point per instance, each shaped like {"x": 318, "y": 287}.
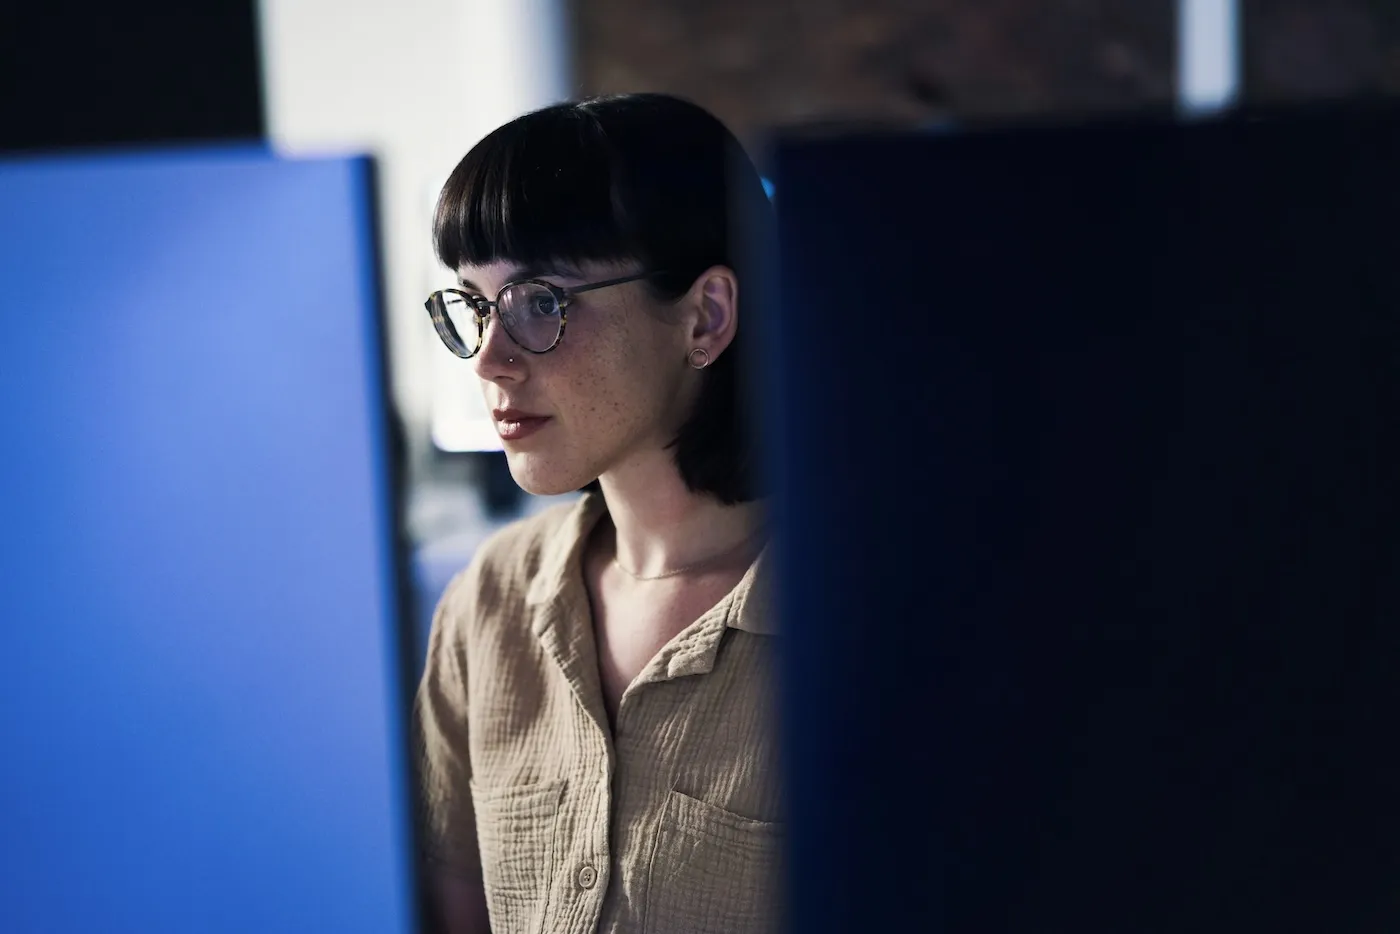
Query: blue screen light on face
{"x": 197, "y": 686}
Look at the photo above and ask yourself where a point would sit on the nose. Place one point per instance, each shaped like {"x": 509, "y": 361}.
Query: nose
{"x": 499, "y": 357}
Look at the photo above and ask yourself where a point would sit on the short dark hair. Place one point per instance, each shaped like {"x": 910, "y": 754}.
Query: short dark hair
{"x": 646, "y": 177}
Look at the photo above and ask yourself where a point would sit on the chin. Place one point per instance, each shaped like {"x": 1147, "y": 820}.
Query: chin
{"x": 541, "y": 477}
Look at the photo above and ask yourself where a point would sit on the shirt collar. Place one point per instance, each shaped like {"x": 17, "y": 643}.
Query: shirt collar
{"x": 560, "y": 556}
{"x": 752, "y": 607}
{"x": 749, "y": 607}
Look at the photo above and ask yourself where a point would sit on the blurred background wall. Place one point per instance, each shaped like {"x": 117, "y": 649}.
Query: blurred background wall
{"x": 1303, "y": 50}
{"x": 778, "y": 63}
{"x": 781, "y": 63}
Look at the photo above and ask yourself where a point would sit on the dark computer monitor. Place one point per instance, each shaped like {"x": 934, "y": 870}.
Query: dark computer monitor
{"x": 1087, "y": 456}
{"x": 200, "y": 699}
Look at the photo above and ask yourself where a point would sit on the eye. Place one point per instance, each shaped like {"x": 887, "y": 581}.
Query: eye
{"x": 544, "y": 304}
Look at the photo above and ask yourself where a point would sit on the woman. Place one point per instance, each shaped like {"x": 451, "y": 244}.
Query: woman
{"x": 594, "y": 725}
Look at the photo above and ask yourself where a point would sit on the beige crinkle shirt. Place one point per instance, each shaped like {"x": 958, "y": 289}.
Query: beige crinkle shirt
{"x": 668, "y": 822}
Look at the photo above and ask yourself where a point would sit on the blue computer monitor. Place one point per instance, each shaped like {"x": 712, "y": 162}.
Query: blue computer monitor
{"x": 200, "y": 703}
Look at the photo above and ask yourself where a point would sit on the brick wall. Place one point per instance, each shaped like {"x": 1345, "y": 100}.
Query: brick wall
{"x": 1321, "y": 49}
{"x": 763, "y": 63}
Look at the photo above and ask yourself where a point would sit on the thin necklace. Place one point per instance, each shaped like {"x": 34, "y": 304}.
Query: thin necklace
{"x": 712, "y": 559}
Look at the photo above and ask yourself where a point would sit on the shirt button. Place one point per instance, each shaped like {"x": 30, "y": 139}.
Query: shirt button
{"x": 587, "y": 877}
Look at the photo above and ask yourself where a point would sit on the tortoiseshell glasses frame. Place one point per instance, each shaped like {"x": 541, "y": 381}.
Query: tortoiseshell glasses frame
{"x": 532, "y": 312}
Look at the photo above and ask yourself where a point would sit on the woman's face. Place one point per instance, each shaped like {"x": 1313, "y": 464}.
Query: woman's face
{"x": 616, "y": 387}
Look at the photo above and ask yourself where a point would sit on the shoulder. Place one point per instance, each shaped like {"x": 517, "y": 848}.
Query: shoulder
{"x": 513, "y": 558}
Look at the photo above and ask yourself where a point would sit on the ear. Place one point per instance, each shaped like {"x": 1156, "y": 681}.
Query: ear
{"x": 714, "y": 299}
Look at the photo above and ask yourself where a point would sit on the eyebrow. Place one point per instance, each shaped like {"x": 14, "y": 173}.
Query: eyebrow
{"x": 531, "y": 271}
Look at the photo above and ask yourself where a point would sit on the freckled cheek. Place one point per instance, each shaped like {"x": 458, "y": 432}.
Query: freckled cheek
{"x": 616, "y": 407}
{"x": 580, "y": 393}
{"x": 599, "y": 383}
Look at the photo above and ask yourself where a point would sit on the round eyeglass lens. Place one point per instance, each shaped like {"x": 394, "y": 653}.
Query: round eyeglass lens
{"x": 530, "y": 313}
{"x": 455, "y": 319}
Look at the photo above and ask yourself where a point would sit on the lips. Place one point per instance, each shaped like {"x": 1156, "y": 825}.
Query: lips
{"x": 516, "y": 424}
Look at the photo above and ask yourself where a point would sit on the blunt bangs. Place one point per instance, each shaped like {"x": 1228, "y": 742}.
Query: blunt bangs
{"x": 637, "y": 176}
{"x": 534, "y": 190}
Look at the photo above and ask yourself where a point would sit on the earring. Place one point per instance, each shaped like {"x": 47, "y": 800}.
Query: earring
{"x": 705, "y": 354}
{"x": 510, "y": 360}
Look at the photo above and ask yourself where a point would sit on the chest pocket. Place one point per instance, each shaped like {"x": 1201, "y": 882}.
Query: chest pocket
{"x": 712, "y": 870}
{"x": 515, "y": 828}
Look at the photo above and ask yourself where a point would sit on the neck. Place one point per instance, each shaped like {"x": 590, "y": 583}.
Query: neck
{"x": 660, "y": 526}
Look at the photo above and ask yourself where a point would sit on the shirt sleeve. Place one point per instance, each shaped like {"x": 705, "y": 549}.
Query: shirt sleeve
{"x": 447, "y": 822}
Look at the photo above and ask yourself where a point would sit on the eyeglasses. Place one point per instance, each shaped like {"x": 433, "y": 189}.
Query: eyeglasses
{"x": 531, "y": 311}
